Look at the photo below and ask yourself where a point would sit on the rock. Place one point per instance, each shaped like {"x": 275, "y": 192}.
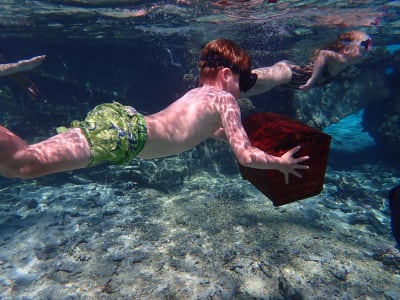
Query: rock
{"x": 288, "y": 291}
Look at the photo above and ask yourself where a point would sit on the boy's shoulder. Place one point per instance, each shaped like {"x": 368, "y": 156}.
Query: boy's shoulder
{"x": 209, "y": 92}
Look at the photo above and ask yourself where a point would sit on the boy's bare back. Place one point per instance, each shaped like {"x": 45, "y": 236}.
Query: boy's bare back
{"x": 187, "y": 122}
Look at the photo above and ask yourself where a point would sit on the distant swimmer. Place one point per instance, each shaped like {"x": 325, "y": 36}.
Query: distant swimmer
{"x": 350, "y": 48}
{"x": 13, "y": 70}
{"x": 394, "y": 202}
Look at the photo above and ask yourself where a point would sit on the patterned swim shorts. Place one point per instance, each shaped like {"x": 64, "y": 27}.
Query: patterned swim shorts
{"x": 116, "y": 133}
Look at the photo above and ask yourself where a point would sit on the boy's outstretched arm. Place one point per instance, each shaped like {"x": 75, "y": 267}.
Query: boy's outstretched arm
{"x": 250, "y": 156}
{"x": 63, "y": 152}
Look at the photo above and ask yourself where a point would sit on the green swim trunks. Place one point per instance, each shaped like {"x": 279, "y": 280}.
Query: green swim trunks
{"x": 116, "y": 133}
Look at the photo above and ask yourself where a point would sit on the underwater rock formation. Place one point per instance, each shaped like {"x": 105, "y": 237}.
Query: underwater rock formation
{"x": 394, "y": 203}
{"x": 382, "y": 119}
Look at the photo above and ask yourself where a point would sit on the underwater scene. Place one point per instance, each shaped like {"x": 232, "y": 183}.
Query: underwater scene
{"x": 190, "y": 226}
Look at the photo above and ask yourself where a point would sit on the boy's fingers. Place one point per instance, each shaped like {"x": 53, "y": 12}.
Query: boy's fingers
{"x": 302, "y": 167}
{"x": 297, "y": 174}
{"x": 303, "y": 158}
{"x": 294, "y": 150}
{"x": 286, "y": 178}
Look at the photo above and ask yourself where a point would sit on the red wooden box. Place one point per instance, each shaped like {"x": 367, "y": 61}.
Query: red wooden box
{"x": 276, "y": 134}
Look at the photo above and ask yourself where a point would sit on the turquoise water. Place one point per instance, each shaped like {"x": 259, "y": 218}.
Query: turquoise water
{"x": 393, "y": 48}
{"x": 345, "y": 131}
{"x": 188, "y": 226}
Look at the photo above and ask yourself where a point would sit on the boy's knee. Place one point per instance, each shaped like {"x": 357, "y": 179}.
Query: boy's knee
{"x": 9, "y": 173}
{"x": 21, "y": 173}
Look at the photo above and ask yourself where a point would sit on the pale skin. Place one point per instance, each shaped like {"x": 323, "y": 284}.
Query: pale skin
{"x": 281, "y": 72}
{"x": 208, "y": 111}
{"x": 21, "y": 65}
{"x": 337, "y": 62}
{"x": 270, "y": 77}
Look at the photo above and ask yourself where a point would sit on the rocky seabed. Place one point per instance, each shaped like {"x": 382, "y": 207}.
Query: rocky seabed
{"x": 73, "y": 236}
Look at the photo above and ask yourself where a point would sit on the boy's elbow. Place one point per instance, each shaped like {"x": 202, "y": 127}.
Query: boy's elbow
{"x": 245, "y": 160}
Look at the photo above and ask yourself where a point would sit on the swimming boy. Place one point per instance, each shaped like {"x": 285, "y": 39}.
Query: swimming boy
{"x": 115, "y": 133}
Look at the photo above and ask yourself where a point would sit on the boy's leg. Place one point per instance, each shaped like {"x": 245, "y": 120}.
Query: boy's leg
{"x": 63, "y": 152}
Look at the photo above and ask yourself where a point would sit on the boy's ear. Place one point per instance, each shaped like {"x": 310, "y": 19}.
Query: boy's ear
{"x": 226, "y": 73}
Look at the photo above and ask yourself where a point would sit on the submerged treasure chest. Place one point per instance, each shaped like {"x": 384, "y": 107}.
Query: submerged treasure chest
{"x": 276, "y": 134}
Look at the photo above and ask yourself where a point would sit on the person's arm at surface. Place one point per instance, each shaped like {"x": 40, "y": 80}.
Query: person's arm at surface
{"x": 250, "y": 156}
{"x": 269, "y": 77}
{"x": 21, "y": 65}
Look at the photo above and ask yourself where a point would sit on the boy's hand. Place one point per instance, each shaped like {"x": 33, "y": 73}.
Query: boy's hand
{"x": 290, "y": 164}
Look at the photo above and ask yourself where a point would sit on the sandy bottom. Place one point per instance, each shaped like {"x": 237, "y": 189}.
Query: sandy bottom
{"x": 214, "y": 237}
